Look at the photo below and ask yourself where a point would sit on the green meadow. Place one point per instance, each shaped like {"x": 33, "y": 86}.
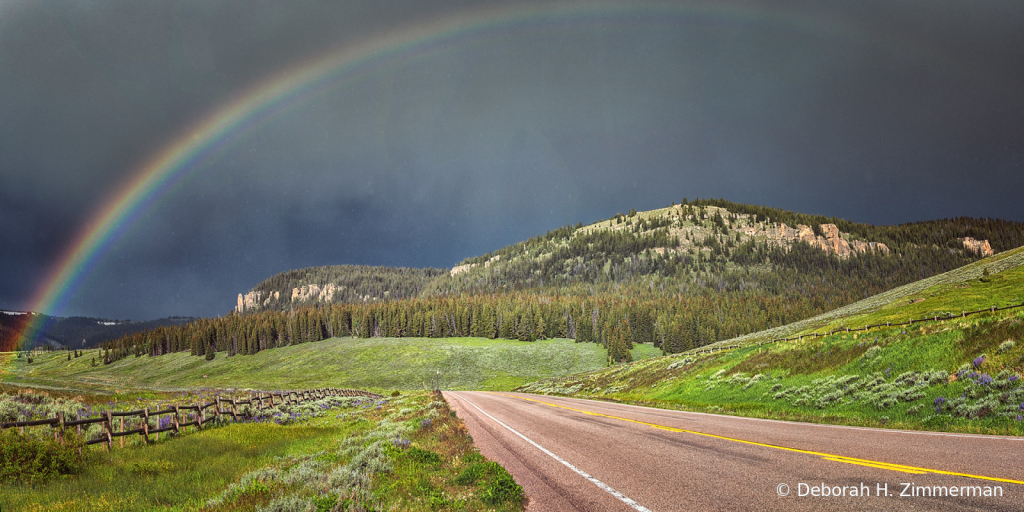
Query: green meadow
{"x": 380, "y": 364}
{"x": 963, "y": 374}
{"x": 408, "y": 452}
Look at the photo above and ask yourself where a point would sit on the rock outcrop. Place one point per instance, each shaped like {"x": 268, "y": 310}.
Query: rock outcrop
{"x": 981, "y": 247}
{"x": 831, "y": 239}
{"x": 465, "y": 268}
{"x": 251, "y": 300}
{"x": 312, "y": 291}
{"x": 461, "y": 268}
{"x": 247, "y": 301}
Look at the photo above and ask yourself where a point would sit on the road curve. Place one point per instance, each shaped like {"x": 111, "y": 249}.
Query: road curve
{"x": 572, "y": 454}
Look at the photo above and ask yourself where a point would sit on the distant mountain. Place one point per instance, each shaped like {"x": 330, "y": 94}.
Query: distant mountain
{"x": 678, "y": 277}
{"x": 13, "y": 323}
{"x": 696, "y": 247}
{"x": 338, "y": 283}
{"x": 75, "y": 332}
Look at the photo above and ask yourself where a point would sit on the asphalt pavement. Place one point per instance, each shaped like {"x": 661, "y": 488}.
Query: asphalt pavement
{"x": 572, "y": 454}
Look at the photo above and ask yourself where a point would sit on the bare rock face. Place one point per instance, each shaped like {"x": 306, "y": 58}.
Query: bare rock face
{"x": 312, "y": 291}
{"x": 981, "y": 247}
{"x": 784, "y": 233}
{"x": 834, "y": 241}
{"x": 247, "y": 301}
{"x": 860, "y": 246}
{"x": 461, "y": 268}
{"x": 831, "y": 240}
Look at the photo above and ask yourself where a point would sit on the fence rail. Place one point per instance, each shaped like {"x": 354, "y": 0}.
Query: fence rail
{"x": 221, "y": 406}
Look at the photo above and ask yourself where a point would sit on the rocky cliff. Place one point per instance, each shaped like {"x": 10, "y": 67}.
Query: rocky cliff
{"x": 981, "y": 247}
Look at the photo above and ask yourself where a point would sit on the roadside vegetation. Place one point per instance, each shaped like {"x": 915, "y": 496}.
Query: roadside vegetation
{"x": 961, "y": 374}
{"x": 404, "y": 452}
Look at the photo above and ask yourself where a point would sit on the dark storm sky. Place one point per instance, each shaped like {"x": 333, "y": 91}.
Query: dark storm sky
{"x": 880, "y": 112}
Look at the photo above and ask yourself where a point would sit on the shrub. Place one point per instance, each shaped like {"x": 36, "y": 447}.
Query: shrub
{"x": 500, "y": 488}
{"x": 978, "y": 361}
{"x": 424, "y": 456}
{"x": 471, "y": 474}
{"x": 1006, "y": 346}
{"x": 289, "y": 504}
{"x": 27, "y": 459}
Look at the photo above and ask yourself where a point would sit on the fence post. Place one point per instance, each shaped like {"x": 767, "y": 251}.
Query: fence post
{"x": 218, "y": 405}
{"x": 121, "y": 440}
{"x": 58, "y": 431}
{"x": 110, "y": 431}
{"x": 234, "y": 411}
{"x": 145, "y": 425}
{"x": 177, "y": 426}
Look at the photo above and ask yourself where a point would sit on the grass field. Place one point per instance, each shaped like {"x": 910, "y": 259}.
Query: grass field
{"x": 399, "y": 453}
{"x": 960, "y": 375}
{"x": 380, "y": 364}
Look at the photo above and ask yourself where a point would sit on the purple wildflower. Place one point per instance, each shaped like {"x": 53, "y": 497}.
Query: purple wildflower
{"x": 978, "y": 361}
{"x": 427, "y": 422}
{"x": 941, "y": 400}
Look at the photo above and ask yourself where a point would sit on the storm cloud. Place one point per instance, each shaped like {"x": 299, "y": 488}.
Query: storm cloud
{"x": 879, "y": 112}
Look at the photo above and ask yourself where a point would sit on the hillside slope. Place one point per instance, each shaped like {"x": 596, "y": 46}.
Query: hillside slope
{"x": 960, "y": 374}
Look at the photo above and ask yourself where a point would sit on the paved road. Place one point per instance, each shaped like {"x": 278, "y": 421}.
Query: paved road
{"x": 571, "y": 454}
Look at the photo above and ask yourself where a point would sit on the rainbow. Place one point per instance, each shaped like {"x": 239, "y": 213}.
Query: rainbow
{"x": 258, "y": 104}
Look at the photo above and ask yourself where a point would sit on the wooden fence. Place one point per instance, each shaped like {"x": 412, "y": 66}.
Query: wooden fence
{"x": 199, "y": 415}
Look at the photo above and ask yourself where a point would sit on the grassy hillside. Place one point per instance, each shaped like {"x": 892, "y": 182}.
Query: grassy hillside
{"x": 961, "y": 375}
{"x": 364, "y": 363}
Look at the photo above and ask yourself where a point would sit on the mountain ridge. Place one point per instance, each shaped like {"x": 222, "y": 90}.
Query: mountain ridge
{"x": 698, "y": 232}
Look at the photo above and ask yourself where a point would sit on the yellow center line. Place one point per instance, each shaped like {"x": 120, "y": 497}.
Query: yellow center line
{"x": 823, "y": 455}
{"x": 878, "y": 466}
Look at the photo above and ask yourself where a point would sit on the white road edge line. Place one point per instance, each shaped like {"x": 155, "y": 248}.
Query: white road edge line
{"x": 623, "y": 498}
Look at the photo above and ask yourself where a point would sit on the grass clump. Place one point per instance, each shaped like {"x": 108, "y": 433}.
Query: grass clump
{"x": 497, "y": 484}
